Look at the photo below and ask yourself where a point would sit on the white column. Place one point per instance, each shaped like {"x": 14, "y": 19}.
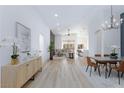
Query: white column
{"x": 102, "y": 43}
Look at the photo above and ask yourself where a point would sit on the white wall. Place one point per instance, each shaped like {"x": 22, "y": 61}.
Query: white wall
{"x": 92, "y": 41}
{"x": 30, "y": 18}
{"x": 98, "y": 37}
{"x": 58, "y": 42}
{"x": 109, "y": 39}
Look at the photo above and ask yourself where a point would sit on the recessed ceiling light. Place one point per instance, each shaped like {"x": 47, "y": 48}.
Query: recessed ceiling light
{"x": 56, "y": 15}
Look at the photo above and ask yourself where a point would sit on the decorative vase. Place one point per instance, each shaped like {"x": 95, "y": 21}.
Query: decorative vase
{"x": 113, "y": 57}
{"x": 14, "y": 61}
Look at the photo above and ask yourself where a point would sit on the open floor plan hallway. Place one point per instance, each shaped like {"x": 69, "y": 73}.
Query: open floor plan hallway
{"x": 61, "y": 73}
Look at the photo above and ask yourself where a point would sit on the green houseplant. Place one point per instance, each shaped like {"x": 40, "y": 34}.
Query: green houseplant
{"x": 114, "y": 54}
{"x": 14, "y": 56}
{"x": 51, "y": 50}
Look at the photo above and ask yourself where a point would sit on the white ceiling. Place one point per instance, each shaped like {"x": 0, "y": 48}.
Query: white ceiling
{"x": 70, "y": 16}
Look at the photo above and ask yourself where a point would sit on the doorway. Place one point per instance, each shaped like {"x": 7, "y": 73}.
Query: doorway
{"x": 41, "y": 46}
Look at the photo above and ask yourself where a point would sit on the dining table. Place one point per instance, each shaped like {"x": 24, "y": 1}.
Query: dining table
{"x": 107, "y": 60}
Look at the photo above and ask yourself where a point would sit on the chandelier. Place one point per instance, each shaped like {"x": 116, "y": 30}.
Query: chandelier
{"x": 68, "y": 34}
{"x": 113, "y": 24}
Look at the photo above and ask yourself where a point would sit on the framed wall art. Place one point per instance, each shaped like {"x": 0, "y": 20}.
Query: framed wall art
{"x": 23, "y": 35}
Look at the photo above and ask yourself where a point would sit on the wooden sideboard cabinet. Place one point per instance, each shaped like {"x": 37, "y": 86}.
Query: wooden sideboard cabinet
{"x": 15, "y": 76}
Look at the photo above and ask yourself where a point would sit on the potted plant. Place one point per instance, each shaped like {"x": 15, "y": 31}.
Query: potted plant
{"x": 51, "y": 50}
{"x": 14, "y": 56}
{"x": 114, "y": 54}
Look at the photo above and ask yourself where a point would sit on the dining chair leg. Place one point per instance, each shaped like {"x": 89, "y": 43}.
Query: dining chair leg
{"x": 109, "y": 65}
{"x": 90, "y": 70}
{"x": 109, "y": 72}
{"x": 103, "y": 65}
{"x": 106, "y": 70}
{"x": 122, "y": 74}
{"x": 119, "y": 77}
{"x": 87, "y": 68}
{"x": 95, "y": 68}
{"x": 99, "y": 70}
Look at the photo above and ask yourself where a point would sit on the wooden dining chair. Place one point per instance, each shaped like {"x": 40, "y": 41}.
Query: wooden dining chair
{"x": 119, "y": 69}
{"x": 92, "y": 64}
{"x": 104, "y": 64}
{"x": 99, "y": 55}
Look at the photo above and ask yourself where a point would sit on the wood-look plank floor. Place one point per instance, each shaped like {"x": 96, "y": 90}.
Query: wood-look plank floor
{"x": 60, "y": 73}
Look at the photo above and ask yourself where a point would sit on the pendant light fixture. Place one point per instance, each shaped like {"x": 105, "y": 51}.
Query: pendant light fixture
{"x": 68, "y": 32}
{"x": 112, "y": 24}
